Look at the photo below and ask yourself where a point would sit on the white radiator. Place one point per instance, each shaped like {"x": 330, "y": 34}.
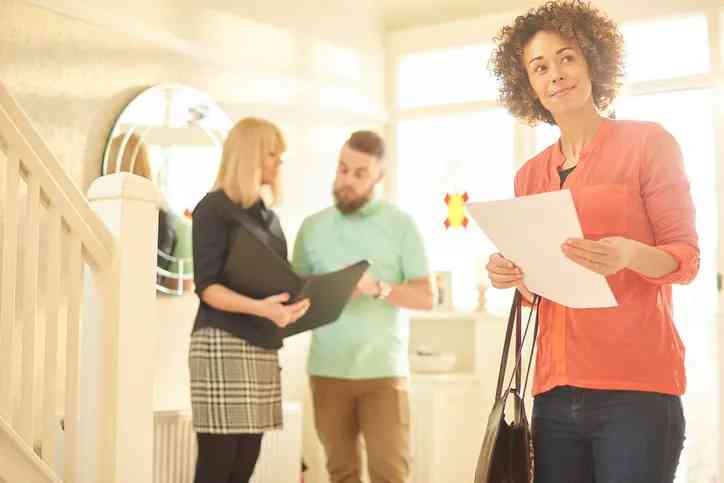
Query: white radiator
{"x": 174, "y": 449}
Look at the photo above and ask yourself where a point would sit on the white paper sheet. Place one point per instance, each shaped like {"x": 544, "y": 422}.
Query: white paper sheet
{"x": 529, "y": 231}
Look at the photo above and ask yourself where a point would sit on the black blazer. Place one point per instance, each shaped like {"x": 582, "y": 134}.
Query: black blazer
{"x": 216, "y": 220}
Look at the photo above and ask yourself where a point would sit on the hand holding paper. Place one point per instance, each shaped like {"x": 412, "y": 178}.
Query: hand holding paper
{"x": 530, "y": 231}
{"x": 504, "y": 274}
{"x": 605, "y": 256}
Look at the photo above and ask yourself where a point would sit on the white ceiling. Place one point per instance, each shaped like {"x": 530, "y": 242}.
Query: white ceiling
{"x": 402, "y": 14}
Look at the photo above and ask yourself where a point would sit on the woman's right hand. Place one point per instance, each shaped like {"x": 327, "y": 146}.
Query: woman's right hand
{"x": 505, "y": 274}
{"x": 273, "y": 308}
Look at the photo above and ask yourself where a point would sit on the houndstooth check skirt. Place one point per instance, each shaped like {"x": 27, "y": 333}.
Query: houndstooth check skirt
{"x": 235, "y": 386}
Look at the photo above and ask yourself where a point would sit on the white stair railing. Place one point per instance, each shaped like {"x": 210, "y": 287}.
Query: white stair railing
{"x": 63, "y": 277}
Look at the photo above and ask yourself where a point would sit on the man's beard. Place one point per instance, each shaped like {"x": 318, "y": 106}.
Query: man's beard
{"x": 354, "y": 204}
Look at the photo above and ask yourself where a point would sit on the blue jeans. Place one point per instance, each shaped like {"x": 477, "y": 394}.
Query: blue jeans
{"x": 595, "y": 436}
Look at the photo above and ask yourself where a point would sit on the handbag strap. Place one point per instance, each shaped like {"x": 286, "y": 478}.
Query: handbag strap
{"x": 518, "y": 349}
{"x": 506, "y": 345}
{"x": 515, "y": 319}
{"x": 518, "y": 408}
{"x": 536, "y": 304}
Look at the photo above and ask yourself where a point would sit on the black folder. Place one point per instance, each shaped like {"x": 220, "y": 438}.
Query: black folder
{"x": 255, "y": 270}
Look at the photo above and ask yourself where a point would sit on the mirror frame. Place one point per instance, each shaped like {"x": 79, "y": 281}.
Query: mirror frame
{"x": 183, "y": 280}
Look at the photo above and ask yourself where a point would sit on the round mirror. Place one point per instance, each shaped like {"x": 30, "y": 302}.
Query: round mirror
{"x": 172, "y": 135}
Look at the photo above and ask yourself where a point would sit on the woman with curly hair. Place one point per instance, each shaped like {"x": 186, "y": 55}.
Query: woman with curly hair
{"x": 608, "y": 381}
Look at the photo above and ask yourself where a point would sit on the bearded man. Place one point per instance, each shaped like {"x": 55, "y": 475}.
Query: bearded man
{"x": 358, "y": 366}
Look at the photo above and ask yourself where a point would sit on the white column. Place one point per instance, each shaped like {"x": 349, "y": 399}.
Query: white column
{"x": 715, "y": 17}
{"x": 119, "y": 337}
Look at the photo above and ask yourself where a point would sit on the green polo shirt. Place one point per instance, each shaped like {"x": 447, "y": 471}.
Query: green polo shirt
{"x": 371, "y": 337}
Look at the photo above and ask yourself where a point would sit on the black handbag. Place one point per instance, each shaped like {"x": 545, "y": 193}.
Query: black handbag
{"x": 506, "y": 455}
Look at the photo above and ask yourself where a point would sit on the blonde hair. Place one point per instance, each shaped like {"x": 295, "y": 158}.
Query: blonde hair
{"x": 246, "y": 147}
{"x": 134, "y": 158}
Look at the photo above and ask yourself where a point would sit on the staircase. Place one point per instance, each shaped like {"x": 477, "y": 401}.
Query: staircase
{"x": 74, "y": 288}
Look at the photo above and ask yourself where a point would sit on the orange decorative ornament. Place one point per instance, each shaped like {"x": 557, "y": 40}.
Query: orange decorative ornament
{"x": 455, "y": 210}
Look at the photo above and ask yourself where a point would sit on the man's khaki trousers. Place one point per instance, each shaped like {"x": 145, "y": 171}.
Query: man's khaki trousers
{"x": 377, "y": 410}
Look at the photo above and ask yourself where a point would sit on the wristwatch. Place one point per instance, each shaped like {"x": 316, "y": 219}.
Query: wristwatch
{"x": 384, "y": 290}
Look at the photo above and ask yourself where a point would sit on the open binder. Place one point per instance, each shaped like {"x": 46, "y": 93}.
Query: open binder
{"x": 255, "y": 270}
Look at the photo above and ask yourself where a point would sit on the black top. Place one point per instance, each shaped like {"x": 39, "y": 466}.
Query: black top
{"x": 216, "y": 220}
{"x": 563, "y": 173}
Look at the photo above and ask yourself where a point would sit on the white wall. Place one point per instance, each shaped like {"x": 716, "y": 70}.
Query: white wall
{"x": 316, "y": 68}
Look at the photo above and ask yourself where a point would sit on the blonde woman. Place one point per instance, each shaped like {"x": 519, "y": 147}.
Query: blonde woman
{"x": 235, "y": 379}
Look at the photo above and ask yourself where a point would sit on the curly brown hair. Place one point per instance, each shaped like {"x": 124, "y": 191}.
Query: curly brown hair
{"x": 597, "y": 36}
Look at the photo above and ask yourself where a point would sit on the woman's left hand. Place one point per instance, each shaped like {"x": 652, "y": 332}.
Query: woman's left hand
{"x": 605, "y": 256}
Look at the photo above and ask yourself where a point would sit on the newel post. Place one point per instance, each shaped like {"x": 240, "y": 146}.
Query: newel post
{"x": 119, "y": 337}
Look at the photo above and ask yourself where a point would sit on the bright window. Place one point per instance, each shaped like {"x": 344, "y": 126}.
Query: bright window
{"x": 445, "y": 77}
{"x": 545, "y": 135}
{"x": 666, "y": 48}
{"x": 459, "y": 153}
{"x": 185, "y": 173}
